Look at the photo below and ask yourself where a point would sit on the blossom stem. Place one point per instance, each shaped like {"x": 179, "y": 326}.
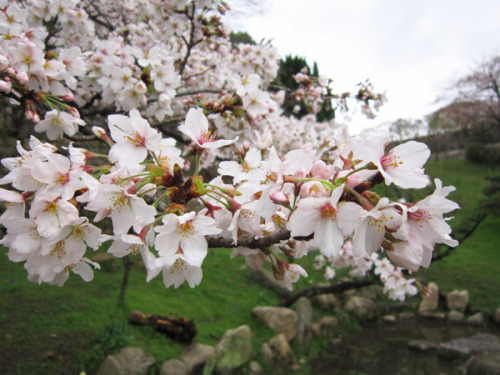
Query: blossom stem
{"x": 218, "y": 200}
{"x": 340, "y": 181}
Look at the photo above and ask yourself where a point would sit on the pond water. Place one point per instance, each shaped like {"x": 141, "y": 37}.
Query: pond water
{"x": 379, "y": 349}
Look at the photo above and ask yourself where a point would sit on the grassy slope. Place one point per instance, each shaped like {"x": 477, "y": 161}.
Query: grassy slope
{"x": 50, "y": 330}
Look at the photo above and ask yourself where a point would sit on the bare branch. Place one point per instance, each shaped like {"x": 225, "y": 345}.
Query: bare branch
{"x": 250, "y": 242}
{"x": 341, "y": 286}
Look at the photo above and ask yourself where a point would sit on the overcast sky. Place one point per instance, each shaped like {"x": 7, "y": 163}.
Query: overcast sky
{"x": 410, "y": 49}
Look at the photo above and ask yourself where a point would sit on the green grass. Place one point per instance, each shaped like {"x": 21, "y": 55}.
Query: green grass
{"x": 51, "y": 330}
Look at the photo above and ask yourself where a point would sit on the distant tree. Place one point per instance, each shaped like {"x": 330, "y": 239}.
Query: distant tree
{"x": 402, "y": 129}
{"x": 473, "y": 112}
{"x": 482, "y": 86}
{"x": 294, "y": 105}
{"x": 240, "y": 37}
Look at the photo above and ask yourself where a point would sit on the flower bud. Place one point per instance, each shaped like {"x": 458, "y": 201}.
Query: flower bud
{"x": 5, "y": 86}
{"x": 22, "y": 77}
{"x": 312, "y": 189}
{"x": 279, "y": 197}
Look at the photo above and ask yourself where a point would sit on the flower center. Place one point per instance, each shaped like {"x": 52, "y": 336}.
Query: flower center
{"x": 391, "y": 160}
{"x": 186, "y": 229}
{"x": 206, "y": 137}
{"x": 328, "y": 212}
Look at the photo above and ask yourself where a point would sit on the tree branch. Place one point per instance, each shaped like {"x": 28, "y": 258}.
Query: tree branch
{"x": 250, "y": 242}
{"x": 341, "y": 286}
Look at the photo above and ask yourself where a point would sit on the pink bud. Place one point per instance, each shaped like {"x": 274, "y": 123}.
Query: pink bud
{"x": 74, "y": 112}
{"x": 312, "y": 189}
{"x": 22, "y": 77}
{"x": 28, "y": 114}
{"x": 11, "y": 71}
{"x": 101, "y": 134}
{"x": 279, "y": 197}
{"x": 36, "y": 117}
{"x": 321, "y": 170}
{"x": 5, "y": 86}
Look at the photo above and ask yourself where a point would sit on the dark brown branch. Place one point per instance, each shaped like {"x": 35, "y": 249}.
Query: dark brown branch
{"x": 195, "y": 92}
{"x": 341, "y": 286}
{"x": 250, "y": 242}
{"x": 199, "y": 74}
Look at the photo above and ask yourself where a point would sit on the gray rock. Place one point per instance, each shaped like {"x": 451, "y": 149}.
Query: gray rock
{"x": 173, "y": 367}
{"x": 455, "y": 316}
{"x": 421, "y": 345}
{"x": 129, "y": 361}
{"x": 485, "y": 364}
{"x": 196, "y": 355}
{"x": 432, "y": 315}
{"x": 327, "y": 327}
{"x": 325, "y": 302}
{"x": 371, "y": 292}
{"x": 431, "y": 301}
{"x": 267, "y": 279}
{"x": 464, "y": 347}
{"x": 363, "y": 308}
{"x": 304, "y": 321}
{"x": 476, "y": 319}
{"x": 278, "y": 354}
{"x": 496, "y": 316}
{"x": 233, "y": 350}
{"x": 389, "y": 319}
{"x": 406, "y": 316}
{"x": 279, "y": 319}
{"x": 457, "y": 300}
{"x": 255, "y": 368}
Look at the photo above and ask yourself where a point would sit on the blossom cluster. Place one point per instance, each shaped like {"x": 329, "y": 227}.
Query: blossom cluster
{"x": 189, "y": 149}
{"x": 146, "y": 197}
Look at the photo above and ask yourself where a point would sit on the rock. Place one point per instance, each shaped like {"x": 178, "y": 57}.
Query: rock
{"x": 455, "y": 316}
{"x": 255, "y": 368}
{"x": 325, "y": 302}
{"x": 371, "y": 292}
{"x": 279, "y": 319}
{"x": 485, "y": 364}
{"x": 129, "y": 361}
{"x": 363, "y": 308}
{"x": 457, "y": 300}
{"x": 432, "y": 315}
{"x": 421, "y": 345}
{"x": 431, "y": 301}
{"x": 389, "y": 319}
{"x": 304, "y": 321}
{"x": 233, "y": 350}
{"x": 327, "y": 327}
{"x": 464, "y": 347}
{"x": 196, "y": 355}
{"x": 476, "y": 319}
{"x": 406, "y": 316}
{"x": 278, "y": 354}
{"x": 267, "y": 279}
{"x": 496, "y": 316}
{"x": 174, "y": 367}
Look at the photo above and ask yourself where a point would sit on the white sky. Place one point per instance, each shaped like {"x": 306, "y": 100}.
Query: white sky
{"x": 410, "y": 49}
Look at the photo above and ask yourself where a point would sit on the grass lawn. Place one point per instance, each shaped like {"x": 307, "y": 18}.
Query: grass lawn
{"x": 50, "y": 330}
